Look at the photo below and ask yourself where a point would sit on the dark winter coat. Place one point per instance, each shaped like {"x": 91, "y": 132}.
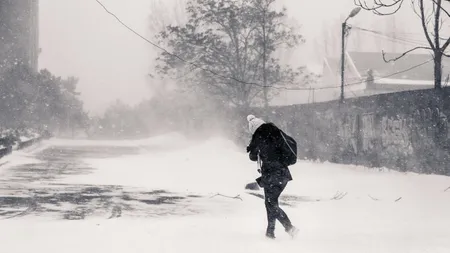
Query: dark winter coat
{"x": 267, "y": 142}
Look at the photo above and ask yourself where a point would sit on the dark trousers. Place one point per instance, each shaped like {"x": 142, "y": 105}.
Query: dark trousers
{"x": 274, "y": 212}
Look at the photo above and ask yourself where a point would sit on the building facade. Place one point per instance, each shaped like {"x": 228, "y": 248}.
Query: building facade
{"x": 19, "y": 33}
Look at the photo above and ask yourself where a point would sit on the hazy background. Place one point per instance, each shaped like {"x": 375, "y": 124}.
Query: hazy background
{"x": 79, "y": 38}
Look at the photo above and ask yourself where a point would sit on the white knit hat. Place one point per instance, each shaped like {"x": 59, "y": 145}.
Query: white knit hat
{"x": 254, "y": 123}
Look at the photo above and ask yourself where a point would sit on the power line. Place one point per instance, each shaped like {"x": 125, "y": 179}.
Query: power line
{"x": 395, "y": 39}
{"x": 390, "y": 37}
{"x": 232, "y": 78}
{"x": 172, "y": 54}
{"x": 362, "y": 81}
{"x": 132, "y": 30}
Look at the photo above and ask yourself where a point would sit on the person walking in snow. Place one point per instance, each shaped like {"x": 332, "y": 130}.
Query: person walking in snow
{"x": 266, "y": 148}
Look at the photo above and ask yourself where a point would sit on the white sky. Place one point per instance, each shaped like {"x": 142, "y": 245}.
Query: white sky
{"x": 79, "y": 38}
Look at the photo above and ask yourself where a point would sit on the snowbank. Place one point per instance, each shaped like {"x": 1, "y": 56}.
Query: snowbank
{"x": 25, "y": 138}
{"x": 17, "y": 139}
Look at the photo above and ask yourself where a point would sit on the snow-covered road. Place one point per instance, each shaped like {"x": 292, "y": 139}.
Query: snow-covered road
{"x": 158, "y": 195}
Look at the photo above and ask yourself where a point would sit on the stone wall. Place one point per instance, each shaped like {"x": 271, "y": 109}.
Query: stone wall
{"x": 407, "y": 131}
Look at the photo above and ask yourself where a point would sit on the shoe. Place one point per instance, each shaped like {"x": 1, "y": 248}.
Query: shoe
{"x": 293, "y": 231}
{"x": 270, "y": 235}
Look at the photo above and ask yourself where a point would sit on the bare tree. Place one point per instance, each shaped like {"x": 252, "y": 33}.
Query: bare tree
{"x": 228, "y": 49}
{"x": 164, "y": 13}
{"x": 432, "y": 14}
{"x": 272, "y": 33}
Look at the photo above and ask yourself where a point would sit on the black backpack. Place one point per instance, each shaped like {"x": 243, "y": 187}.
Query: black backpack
{"x": 289, "y": 149}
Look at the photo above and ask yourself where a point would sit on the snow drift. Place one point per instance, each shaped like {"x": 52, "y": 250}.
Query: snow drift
{"x": 381, "y": 211}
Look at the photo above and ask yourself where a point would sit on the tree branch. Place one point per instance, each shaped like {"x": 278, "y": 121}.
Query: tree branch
{"x": 437, "y": 16}
{"x": 374, "y": 199}
{"x": 444, "y": 47}
{"x": 413, "y": 6}
{"x": 402, "y": 55}
{"x": 424, "y": 25}
{"x": 381, "y": 4}
{"x": 339, "y": 195}
{"x": 378, "y": 5}
{"x": 223, "y": 93}
{"x": 220, "y": 195}
{"x": 442, "y": 8}
{"x": 255, "y": 95}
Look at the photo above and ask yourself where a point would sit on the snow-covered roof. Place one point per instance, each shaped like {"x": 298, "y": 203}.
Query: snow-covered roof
{"x": 404, "y": 81}
{"x": 293, "y": 97}
{"x": 420, "y": 65}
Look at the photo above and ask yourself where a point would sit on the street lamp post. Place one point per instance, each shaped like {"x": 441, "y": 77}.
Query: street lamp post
{"x": 353, "y": 13}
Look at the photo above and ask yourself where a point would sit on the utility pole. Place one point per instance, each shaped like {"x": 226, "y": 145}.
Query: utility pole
{"x": 353, "y": 13}
{"x": 344, "y": 25}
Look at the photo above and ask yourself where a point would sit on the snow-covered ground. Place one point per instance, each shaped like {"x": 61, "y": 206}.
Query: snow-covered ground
{"x": 163, "y": 141}
{"x": 15, "y": 159}
{"x": 375, "y": 211}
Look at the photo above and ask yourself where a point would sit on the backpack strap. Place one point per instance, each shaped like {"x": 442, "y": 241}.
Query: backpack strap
{"x": 287, "y": 143}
